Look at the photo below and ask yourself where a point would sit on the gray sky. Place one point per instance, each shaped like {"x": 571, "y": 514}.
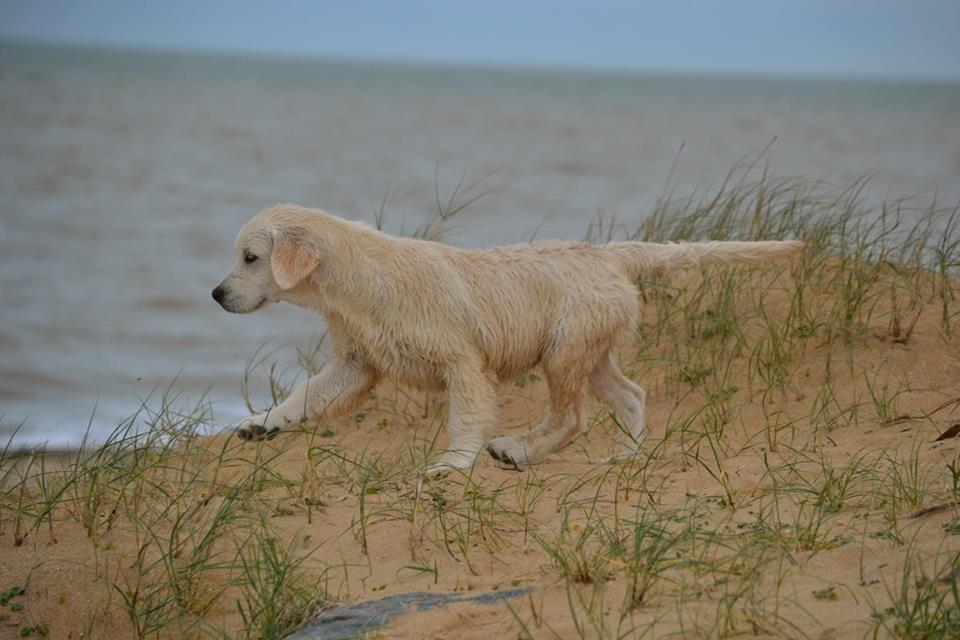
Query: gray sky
{"x": 907, "y": 38}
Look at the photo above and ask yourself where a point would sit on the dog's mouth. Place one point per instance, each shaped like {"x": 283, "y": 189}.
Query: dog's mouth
{"x": 260, "y": 304}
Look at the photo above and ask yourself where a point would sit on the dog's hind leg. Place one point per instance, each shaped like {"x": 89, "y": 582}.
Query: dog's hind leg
{"x": 562, "y": 424}
{"x": 627, "y": 400}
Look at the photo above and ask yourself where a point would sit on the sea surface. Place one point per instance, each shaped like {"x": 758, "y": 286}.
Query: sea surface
{"x": 124, "y": 177}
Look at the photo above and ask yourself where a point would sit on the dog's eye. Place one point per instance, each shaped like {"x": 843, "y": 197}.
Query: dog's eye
{"x": 249, "y": 257}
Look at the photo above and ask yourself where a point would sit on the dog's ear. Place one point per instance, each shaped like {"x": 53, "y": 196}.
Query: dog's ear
{"x": 294, "y": 257}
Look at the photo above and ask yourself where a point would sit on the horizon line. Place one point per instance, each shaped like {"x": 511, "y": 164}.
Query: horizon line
{"x": 474, "y": 65}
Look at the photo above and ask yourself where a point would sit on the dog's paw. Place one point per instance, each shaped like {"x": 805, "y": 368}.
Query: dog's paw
{"x": 437, "y": 470}
{"x": 620, "y": 457}
{"x": 449, "y": 462}
{"x": 508, "y": 452}
{"x": 256, "y": 428}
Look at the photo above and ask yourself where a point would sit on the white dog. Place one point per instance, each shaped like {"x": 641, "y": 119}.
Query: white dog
{"x": 442, "y": 318}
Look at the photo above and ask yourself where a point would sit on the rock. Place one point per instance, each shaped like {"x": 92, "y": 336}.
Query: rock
{"x": 353, "y": 620}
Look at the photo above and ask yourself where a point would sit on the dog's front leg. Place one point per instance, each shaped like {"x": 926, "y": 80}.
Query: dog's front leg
{"x": 337, "y": 389}
{"x": 472, "y": 416}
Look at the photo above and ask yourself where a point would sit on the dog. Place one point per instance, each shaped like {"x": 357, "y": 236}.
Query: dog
{"x": 460, "y": 321}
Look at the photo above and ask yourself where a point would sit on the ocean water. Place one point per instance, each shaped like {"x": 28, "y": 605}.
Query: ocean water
{"x": 124, "y": 177}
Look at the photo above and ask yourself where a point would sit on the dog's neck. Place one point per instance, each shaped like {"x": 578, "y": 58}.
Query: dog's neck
{"x": 349, "y": 276}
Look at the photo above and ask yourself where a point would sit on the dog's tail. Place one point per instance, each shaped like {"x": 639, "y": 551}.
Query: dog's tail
{"x": 639, "y": 258}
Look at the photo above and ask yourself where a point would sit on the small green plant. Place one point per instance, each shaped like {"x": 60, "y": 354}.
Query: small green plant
{"x": 923, "y": 606}
{"x": 577, "y": 552}
{"x": 954, "y": 469}
{"x": 40, "y": 630}
{"x": 276, "y": 599}
{"x": 829, "y": 593}
{"x": 888, "y": 534}
{"x": 8, "y": 597}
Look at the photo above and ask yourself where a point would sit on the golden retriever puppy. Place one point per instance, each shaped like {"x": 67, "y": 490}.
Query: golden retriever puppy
{"x": 457, "y": 320}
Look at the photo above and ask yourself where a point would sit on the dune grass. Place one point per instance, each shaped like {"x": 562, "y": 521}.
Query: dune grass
{"x": 792, "y": 484}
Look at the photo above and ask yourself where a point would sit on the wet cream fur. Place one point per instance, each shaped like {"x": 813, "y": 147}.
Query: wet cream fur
{"x": 460, "y": 321}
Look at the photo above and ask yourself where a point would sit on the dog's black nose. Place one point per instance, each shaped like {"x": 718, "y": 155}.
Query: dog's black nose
{"x": 218, "y": 294}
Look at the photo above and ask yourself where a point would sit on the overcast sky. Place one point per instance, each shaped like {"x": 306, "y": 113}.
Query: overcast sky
{"x": 907, "y": 38}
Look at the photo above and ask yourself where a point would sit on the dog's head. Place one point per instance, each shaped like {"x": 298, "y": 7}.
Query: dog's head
{"x": 276, "y": 251}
